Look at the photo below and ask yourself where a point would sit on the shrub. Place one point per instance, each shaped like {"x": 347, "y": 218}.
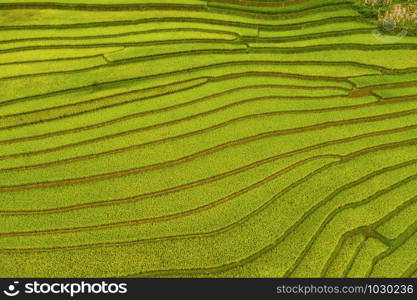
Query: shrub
{"x": 401, "y": 14}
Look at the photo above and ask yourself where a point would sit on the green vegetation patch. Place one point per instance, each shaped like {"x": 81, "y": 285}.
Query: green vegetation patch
{"x": 192, "y": 138}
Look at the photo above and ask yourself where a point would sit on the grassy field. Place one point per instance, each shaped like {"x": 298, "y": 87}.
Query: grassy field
{"x": 220, "y": 138}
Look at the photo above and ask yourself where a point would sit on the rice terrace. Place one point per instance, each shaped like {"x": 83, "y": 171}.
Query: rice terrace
{"x": 220, "y": 138}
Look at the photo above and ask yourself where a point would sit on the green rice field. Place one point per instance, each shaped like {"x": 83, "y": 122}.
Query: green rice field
{"x": 219, "y": 138}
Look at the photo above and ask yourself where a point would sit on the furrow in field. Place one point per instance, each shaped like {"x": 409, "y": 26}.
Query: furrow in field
{"x": 155, "y": 36}
{"x": 369, "y": 231}
{"x": 126, "y": 249}
{"x": 265, "y": 249}
{"x": 291, "y": 7}
{"x": 342, "y": 254}
{"x": 70, "y": 110}
{"x": 357, "y": 92}
{"x": 284, "y": 155}
{"x": 150, "y": 70}
{"x": 67, "y": 19}
{"x": 153, "y": 142}
{"x": 381, "y": 171}
{"x": 236, "y": 115}
{"x": 209, "y": 206}
{"x": 103, "y": 92}
{"x": 133, "y": 112}
{"x": 12, "y": 36}
{"x": 195, "y": 63}
{"x": 302, "y": 264}
{"x": 394, "y": 258}
{"x": 217, "y": 148}
{"x": 299, "y": 237}
{"x": 173, "y": 216}
{"x": 411, "y": 271}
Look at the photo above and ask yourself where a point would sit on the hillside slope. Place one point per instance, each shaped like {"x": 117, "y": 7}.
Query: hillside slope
{"x": 190, "y": 138}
